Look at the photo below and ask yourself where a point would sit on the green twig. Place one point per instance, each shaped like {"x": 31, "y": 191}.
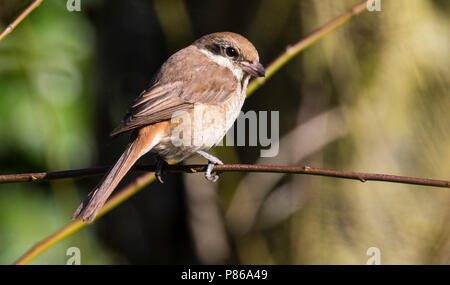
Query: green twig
{"x": 295, "y": 49}
{"x": 75, "y": 226}
{"x": 19, "y": 19}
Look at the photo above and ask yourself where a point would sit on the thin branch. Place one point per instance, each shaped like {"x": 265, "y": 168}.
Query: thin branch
{"x": 363, "y": 177}
{"x": 293, "y": 50}
{"x": 19, "y": 19}
{"x": 146, "y": 179}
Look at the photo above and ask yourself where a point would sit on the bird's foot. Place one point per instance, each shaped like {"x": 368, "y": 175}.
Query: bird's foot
{"x": 158, "y": 171}
{"x": 212, "y": 161}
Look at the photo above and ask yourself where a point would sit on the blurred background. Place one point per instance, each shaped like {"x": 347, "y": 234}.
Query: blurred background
{"x": 372, "y": 96}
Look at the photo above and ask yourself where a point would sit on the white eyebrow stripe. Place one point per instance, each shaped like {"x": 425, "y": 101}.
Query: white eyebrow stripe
{"x": 225, "y": 62}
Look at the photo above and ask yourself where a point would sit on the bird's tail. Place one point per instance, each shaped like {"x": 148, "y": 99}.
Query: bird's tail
{"x": 142, "y": 141}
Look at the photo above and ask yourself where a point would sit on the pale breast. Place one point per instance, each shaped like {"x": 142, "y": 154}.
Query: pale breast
{"x": 200, "y": 128}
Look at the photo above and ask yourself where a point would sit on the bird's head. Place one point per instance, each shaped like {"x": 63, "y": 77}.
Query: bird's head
{"x": 233, "y": 51}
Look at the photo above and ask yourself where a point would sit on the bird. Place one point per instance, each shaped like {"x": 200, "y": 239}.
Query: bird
{"x": 190, "y": 104}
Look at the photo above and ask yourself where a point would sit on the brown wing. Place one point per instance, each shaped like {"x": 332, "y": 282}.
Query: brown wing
{"x": 205, "y": 83}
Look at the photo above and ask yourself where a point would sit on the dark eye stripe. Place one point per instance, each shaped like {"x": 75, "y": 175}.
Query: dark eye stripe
{"x": 214, "y": 48}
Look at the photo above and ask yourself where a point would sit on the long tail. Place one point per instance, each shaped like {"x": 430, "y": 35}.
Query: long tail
{"x": 142, "y": 141}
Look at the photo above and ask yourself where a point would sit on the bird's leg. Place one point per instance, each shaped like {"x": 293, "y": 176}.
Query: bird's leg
{"x": 212, "y": 160}
{"x": 158, "y": 170}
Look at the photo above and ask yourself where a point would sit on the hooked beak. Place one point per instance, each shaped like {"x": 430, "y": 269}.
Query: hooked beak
{"x": 254, "y": 68}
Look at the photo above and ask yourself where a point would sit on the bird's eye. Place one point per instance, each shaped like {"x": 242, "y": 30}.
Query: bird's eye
{"x": 231, "y": 52}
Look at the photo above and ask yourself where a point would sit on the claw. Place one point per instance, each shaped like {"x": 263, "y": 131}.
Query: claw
{"x": 212, "y": 178}
{"x": 158, "y": 170}
{"x": 212, "y": 160}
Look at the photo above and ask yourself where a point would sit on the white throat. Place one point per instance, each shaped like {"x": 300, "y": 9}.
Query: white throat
{"x": 225, "y": 62}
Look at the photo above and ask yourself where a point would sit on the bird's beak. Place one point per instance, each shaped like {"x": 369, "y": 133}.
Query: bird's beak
{"x": 254, "y": 68}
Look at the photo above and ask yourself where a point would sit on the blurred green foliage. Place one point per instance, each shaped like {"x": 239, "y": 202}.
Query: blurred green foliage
{"x": 46, "y": 123}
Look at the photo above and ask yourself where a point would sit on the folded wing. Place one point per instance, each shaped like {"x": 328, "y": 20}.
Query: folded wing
{"x": 165, "y": 97}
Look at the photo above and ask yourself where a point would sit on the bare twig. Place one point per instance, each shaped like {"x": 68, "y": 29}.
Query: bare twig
{"x": 363, "y": 177}
{"x": 19, "y": 19}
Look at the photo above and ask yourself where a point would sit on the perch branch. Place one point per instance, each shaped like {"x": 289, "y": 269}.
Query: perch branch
{"x": 43, "y": 176}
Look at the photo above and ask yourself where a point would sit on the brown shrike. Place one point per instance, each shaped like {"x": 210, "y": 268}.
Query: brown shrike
{"x": 198, "y": 92}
